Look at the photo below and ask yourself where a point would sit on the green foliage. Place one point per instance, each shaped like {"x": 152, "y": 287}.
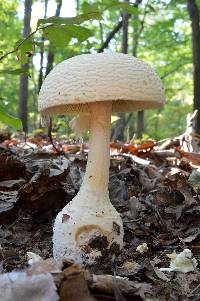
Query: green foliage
{"x": 168, "y": 122}
{"x": 10, "y": 32}
{"x": 160, "y": 30}
{"x": 69, "y": 21}
{"x": 9, "y": 120}
{"x": 124, "y": 6}
{"x": 114, "y": 118}
{"x": 61, "y": 35}
{"x": 15, "y": 71}
{"x": 24, "y": 47}
{"x": 103, "y": 6}
{"x": 58, "y": 30}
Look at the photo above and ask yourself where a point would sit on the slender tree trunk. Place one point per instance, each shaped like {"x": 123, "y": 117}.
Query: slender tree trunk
{"x": 135, "y": 34}
{"x": 77, "y": 6}
{"x": 194, "y": 16}
{"x": 23, "y": 89}
{"x": 140, "y": 124}
{"x": 50, "y": 61}
{"x": 115, "y": 30}
{"x": 118, "y": 133}
{"x": 101, "y": 32}
{"x": 40, "y": 78}
{"x": 125, "y": 18}
{"x": 140, "y": 114}
{"x": 50, "y": 55}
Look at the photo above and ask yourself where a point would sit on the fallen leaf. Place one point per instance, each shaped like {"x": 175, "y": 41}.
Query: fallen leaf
{"x": 160, "y": 274}
{"x": 17, "y": 286}
{"x": 7, "y": 200}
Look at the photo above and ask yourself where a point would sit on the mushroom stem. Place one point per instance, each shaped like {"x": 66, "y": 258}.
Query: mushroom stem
{"x": 97, "y": 172}
{"x": 90, "y": 219}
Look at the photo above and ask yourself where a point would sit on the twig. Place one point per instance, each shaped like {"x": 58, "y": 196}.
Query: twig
{"x": 18, "y": 46}
{"x": 110, "y": 37}
{"x": 173, "y": 70}
{"x": 22, "y": 42}
{"x": 51, "y": 139}
{"x": 115, "y": 30}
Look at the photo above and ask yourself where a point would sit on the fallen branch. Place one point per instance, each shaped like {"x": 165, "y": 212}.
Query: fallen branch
{"x": 163, "y": 154}
{"x": 108, "y": 283}
{"x": 133, "y": 149}
{"x": 192, "y": 157}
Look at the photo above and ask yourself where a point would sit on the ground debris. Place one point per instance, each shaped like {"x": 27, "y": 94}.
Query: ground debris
{"x": 19, "y": 286}
{"x": 156, "y": 192}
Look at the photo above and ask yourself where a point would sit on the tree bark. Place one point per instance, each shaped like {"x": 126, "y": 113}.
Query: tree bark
{"x": 124, "y": 46}
{"x": 194, "y": 16}
{"x": 50, "y": 61}
{"x": 140, "y": 124}
{"x": 40, "y": 78}
{"x": 23, "y": 89}
{"x": 136, "y": 34}
{"x": 77, "y": 6}
{"x": 50, "y": 55}
{"x": 118, "y": 133}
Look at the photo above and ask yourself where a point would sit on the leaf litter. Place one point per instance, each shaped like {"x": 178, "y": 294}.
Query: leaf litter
{"x": 156, "y": 191}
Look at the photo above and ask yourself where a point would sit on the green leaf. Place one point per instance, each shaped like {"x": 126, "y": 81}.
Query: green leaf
{"x": 24, "y": 49}
{"x": 89, "y": 7}
{"x": 15, "y": 71}
{"x": 70, "y": 21}
{"x": 79, "y": 32}
{"x": 151, "y": 8}
{"x": 9, "y": 120}
{"x": 122, "y": 5}
{"x": 60, "y": 35}
{"x": 114, "y": 118}
{"x": 56, "y": 35}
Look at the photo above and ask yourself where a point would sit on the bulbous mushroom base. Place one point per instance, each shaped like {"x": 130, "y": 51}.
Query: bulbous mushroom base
{"x": 82, "y": 233}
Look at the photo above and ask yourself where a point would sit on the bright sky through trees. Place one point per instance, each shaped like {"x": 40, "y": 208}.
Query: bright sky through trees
{"x": 160, "y": 31}
{"x": 68, "y": 9}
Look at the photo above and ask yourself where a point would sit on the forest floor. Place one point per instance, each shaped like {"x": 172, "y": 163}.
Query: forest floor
{"x": 155, "y": 189}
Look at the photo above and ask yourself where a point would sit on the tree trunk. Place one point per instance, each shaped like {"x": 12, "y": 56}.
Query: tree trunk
{"x": 50, "y": 56}
{"x": 140, "y": 124}
{"x": 118, "y": 133}
{"x": 135, "y": 35}
{"x": 140, "y": 114}
{"x": 50, "y": 60}
{"x": 194, "y": 16}
{"x": 23, "y": 89}
{"x": 77, "y": 6}
{"x": 115, "y": 30}
{"x": 124, "y": 46}
{"x": 40, "y": 78}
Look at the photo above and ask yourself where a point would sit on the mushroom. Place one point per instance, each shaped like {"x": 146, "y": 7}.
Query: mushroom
{"x": 181, "y": 262}
{"x": 93, "y": 86}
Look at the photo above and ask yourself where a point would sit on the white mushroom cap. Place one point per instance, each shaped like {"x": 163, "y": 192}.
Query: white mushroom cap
{"x": 128, "y": 82}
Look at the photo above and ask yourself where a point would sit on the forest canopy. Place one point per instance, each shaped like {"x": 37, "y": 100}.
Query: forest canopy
{"x": 158, "y": 32}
